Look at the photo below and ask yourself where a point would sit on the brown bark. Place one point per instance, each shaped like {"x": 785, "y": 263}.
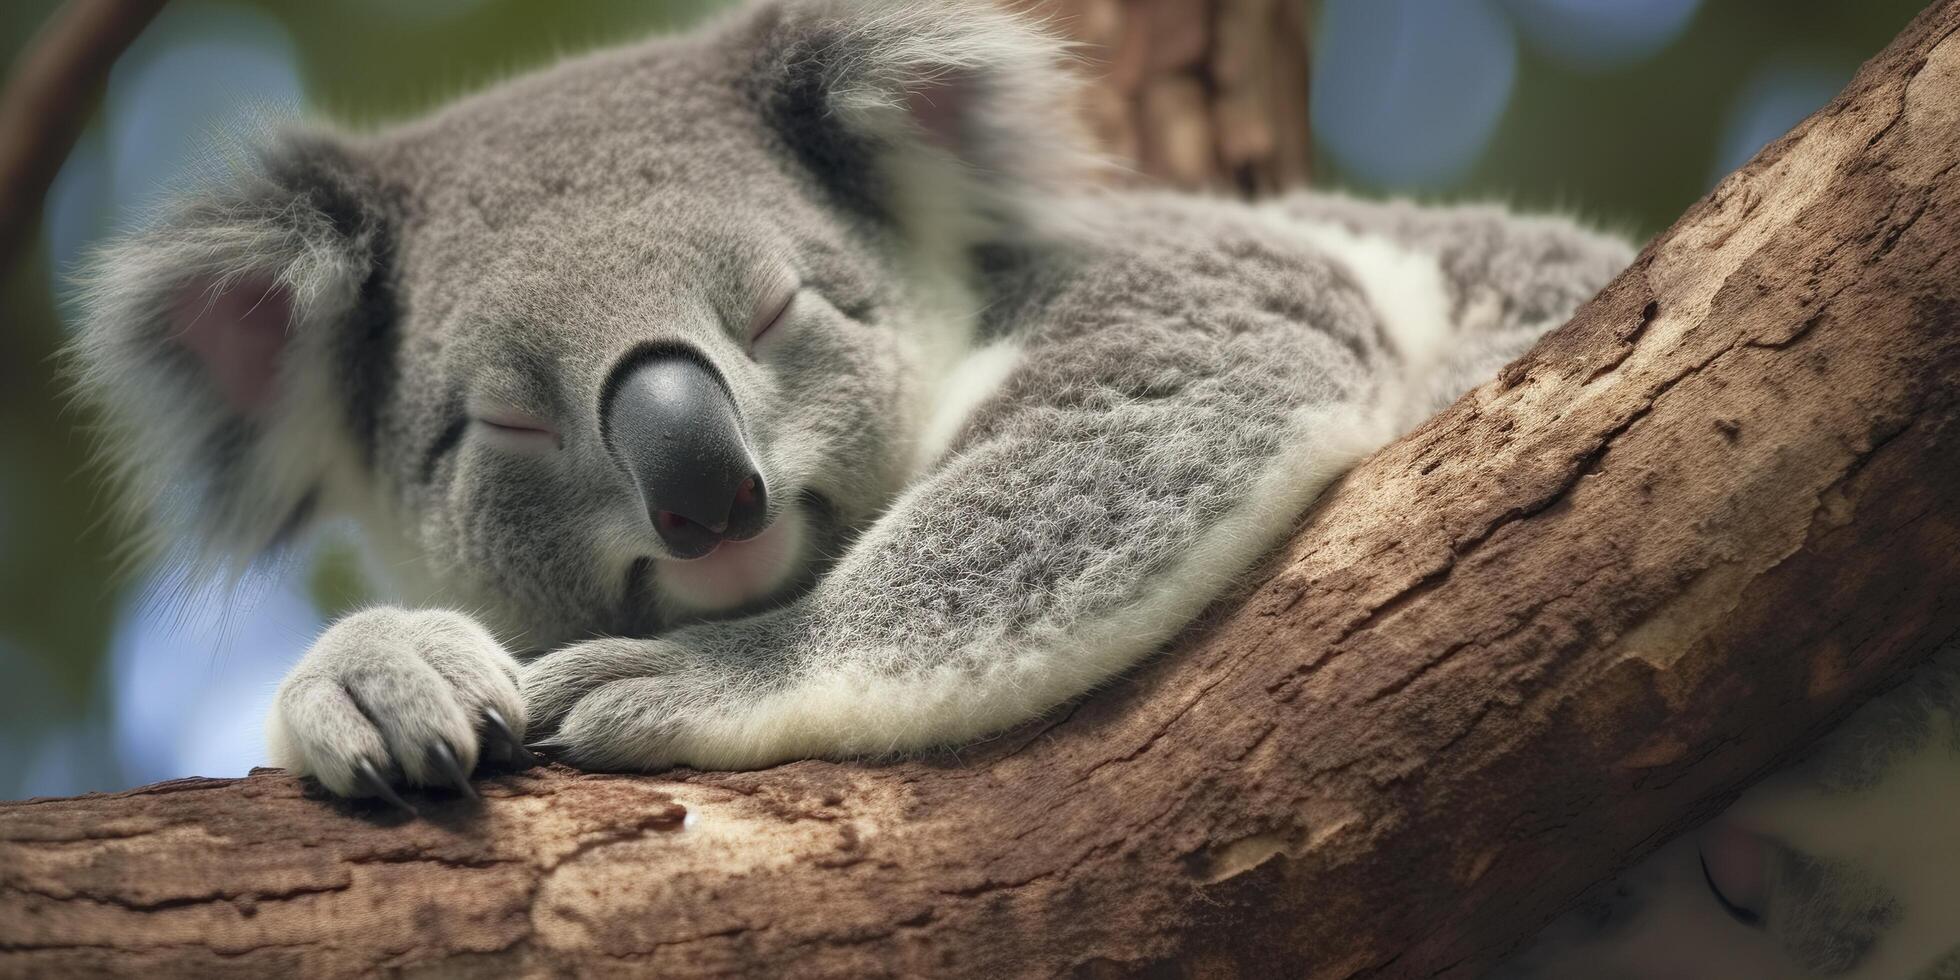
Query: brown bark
{"x": 1503, "y": 657}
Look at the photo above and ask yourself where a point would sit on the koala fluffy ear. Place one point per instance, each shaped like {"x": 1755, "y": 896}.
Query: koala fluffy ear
{"x": 956, "y": 119}
{"x": 228, "y": 348}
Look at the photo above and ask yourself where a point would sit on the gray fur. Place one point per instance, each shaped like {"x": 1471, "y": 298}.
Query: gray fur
{"x": 1829, "y": 912}
{"x": 1904, "y": 722}
{"x": 1016, "y": 433}
{"x": 1946, "y": 968}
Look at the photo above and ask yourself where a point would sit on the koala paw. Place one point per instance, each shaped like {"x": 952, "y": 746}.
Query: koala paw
{"x": 392, "y": 696}
{"x": 624, "y": 704}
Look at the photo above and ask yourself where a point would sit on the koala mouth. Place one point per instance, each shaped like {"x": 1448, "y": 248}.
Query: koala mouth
{"x": 735, "y": 574}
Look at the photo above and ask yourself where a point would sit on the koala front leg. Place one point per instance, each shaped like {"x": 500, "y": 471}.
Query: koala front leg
{"x": 390, "y": 695}
{"x": 1065, "y": 541}
{"x": 1464, "y": 290}
{"x": 1502, "y": 272}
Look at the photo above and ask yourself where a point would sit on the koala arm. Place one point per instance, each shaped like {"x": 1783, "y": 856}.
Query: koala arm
{"x": 1482, "y": 283}
{"x": 1502, "y": 271}
{"x": 1069, "y": 537}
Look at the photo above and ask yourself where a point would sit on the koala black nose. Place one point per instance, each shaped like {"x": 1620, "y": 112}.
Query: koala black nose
{"x": 672, "y": 425}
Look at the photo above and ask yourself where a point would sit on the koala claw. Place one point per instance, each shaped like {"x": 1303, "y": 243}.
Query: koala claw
{"x": 390, "y": 697}
{"x": 444, "y": 761}
{"x": 512, "y": 746}
{"x": 371, "y": 781}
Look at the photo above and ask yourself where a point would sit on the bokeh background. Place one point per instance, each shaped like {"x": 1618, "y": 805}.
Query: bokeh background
{"x": 113, "y": 675}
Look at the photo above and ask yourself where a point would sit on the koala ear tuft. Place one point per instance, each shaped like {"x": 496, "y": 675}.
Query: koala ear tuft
{"x": 955, "y": 120}
{"x": 218, "y": 343}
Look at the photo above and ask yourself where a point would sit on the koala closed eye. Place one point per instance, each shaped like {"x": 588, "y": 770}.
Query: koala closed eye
{"x": 523, "y": 433}
{"x": 1734, "y": 865}
{"x": 773, "y": 307}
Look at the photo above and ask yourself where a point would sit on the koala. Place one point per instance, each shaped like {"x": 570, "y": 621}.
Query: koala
{"x": 786, "y": 388}
{"x": 1842, "y": 864}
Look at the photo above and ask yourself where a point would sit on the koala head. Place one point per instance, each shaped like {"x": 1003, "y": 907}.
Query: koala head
{"x": 638, "y": 339}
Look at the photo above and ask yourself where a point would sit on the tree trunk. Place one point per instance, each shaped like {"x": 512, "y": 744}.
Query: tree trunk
{"x": 1503, "y": 658}
{"x": 1199, "y": 94}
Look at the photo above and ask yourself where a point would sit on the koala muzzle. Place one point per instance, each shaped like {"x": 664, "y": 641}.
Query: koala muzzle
{"x": 672, "y": 426}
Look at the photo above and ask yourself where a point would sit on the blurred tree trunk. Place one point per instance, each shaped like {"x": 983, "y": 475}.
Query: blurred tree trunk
{"x": 1200, "y": 94}
{"x": 47, "y": 100}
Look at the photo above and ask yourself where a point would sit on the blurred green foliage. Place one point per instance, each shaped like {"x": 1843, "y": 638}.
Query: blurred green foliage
{"x": 1637, "y": 145}
{"x": 1633, "y": 146}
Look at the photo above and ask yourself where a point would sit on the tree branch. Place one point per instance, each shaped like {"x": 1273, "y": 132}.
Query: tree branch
{"x": 46, "y": 103}
{"x": 1503, "y": 658}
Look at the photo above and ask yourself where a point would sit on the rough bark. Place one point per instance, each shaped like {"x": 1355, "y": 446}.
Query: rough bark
{"x": 1503, "y": 657}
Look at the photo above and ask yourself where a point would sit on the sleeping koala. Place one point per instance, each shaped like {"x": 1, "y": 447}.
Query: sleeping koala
{"x": 778, "y": 390}
{"x": 1844, "y": 864}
